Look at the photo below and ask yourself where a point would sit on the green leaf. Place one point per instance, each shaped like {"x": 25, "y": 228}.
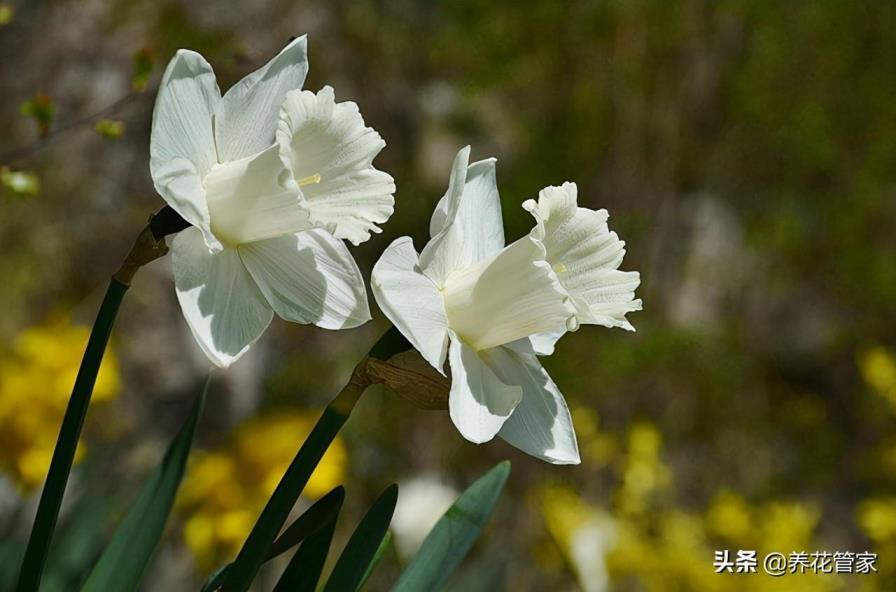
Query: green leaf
{"x": 64, "y": 453}
{"x": 381, "y": 550}
{"x": 109, "y": 128}
{"x": 122, "y": 564}
{"x": 304, "y": 569}
{"x": 243, "y": 569}
{"x": 144, "y": 61}
{"x": 362, "y": 547}
{"x": 451, "y": 538}
{"x": 319, "y": 515}
{"x": 42, "y": 110}
{"x": 316, "y": 517}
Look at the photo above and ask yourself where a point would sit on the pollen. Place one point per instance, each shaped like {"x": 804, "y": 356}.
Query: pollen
{"x": 309, "y": 180}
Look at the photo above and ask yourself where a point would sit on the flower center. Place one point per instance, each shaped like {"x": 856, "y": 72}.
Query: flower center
{"x": 511, "y": 296}
{"x": 248, "y": 200}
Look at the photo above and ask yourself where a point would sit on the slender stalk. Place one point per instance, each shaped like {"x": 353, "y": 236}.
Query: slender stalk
{"x": 147, "y": 247}
{"x": 64, "y": 454}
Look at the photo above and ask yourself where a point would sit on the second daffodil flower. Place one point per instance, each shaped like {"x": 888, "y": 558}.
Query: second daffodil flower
{"x": 272, "y": 179}
{"x": 491, "y": 309}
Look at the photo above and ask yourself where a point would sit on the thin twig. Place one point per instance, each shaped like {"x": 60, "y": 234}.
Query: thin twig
{"x": 27, "y": 150}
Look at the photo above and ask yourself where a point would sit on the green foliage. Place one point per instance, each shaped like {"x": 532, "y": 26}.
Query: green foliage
{"x": 121, "y": 566}
{"x": 303, "y": 571}
{"x": 257, "y": 546}
{"x": 109, "y": 128}
{"x": 41, "y": 109}
{"x": 319, "y": 516}
{"x": 353, "y": 565}
{"x": 143, "y": 64}
{"x": 451, "y": 538}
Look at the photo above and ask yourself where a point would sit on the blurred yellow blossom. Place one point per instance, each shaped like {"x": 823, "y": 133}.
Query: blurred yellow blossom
{"x": 644, "y": 542}
{"x": 225, "y": 489}
{"x": 644, "y": 473}
{"x": 596, "y": 447}
{"x": 584, "y": 534}
{"x": 728, "y": 517}
{"x": 878, "y": 367}
{"x": 877, "y": 517}
{"x": 36, "y": 376}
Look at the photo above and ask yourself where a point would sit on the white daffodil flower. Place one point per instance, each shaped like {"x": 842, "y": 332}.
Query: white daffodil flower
{"x": 484, "y": 305}
{"x": 271, "y": 178}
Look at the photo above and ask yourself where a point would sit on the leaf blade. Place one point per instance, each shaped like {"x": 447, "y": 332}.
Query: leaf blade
{"x": 451, "y": 538}
{"x": 303, "y": 571}
{"x": 312, "y": 520}
{"x": 361, "y": 549}
{"x": 122, "y": 564}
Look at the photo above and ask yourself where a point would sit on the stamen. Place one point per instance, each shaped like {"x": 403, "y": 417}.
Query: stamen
{"x": 560, "y": 268}
{"x": 309, "y": 180}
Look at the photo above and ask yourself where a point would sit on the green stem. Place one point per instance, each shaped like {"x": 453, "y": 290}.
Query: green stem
{"x": 150, "y": 245}
{"x": 64, "y": 454}
{"x": 275, "y": 513}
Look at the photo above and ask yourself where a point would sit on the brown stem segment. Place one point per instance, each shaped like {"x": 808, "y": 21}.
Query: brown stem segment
{"x": 146, "y": 248}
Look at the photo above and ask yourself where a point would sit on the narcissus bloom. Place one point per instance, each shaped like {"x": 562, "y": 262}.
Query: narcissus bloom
{"x": 272, "y": 179}
{"x": 489, "y": 308}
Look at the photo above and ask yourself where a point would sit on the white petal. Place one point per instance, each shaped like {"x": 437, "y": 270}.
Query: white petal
{"x": 411, "y": 301}
{"x": 543, "y": 343}
{"x": 182, "y": 143}
{"x": 446, "y": 209}
{"x": 512, "y": 296}
{"x": 541, "y": 424}
{"x": 330, "y": 153}
{"x": 224, "y": 308}
{"x": 247, "y": 203}
{"x": 479, "y": 402}
{"x": 467, "y": 226}
{"x": 247, "y": 116}
{"x": 310, "y": 278}
{"x": 586, "y": 256}
{"x": 178, "y": 181}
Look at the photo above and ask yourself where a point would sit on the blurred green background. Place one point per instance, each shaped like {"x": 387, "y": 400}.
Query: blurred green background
{"x": 746, "y": 152}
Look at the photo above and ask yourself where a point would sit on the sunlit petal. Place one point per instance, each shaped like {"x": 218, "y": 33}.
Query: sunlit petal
{"x": 182, "y": 143}
{"x": 467, "y": 225}
{"x": 246, "y": 119}
{"x": 222, "y": 304}
{"x": 479, "y": 402}
{"x": 309, "y": 277}
{"x": 541, "y": 424}
{"x": 411, "y": 301}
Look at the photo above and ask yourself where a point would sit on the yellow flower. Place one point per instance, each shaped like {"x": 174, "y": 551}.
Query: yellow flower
{"x": 878, "y": 367}
{"x": 728, "y": 517}
{"x": 225, "y": 489}
{"x": 877, "y": 517}
{"x": 36, "y": 377}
